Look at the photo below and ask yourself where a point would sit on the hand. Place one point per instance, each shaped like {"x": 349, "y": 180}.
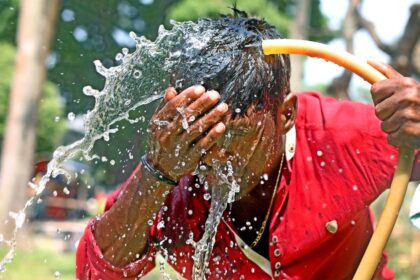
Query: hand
{"x": 184, "y": 127}
{"x": 397, "y": 105}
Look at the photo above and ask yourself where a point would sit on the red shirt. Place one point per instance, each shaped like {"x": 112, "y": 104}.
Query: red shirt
{"x": 342, "y": 163}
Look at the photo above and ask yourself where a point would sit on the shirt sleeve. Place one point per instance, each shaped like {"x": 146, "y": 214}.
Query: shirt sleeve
{"x": 90, "y": 262}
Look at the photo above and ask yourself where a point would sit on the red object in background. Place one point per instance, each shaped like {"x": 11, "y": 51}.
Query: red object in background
{"x": 342, "y": 163}
{"x": 41, "y": 167}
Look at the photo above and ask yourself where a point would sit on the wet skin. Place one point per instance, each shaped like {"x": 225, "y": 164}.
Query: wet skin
{"x": 256, "y": 149}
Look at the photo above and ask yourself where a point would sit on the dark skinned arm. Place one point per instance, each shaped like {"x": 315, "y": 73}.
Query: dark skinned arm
{"x": 123, "y": 232}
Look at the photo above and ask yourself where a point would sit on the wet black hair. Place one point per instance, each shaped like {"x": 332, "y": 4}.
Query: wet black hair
{"x": 225, "y": 55}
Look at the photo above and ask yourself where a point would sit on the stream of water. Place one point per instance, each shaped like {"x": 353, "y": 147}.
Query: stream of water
{"x": 140, "y": 78}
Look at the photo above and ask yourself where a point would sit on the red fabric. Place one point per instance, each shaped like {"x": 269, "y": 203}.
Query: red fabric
{"x": 342, "y": 163}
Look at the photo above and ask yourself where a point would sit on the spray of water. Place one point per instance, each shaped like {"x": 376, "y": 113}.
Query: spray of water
{"x": 223, "y": 193}
{"x": 141, "y": 78}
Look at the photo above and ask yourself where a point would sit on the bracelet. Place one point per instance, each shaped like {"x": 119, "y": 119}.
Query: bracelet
{"x": 156, "y": 173}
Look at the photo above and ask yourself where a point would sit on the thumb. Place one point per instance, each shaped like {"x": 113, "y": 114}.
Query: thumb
{"x": 385, "y": 69}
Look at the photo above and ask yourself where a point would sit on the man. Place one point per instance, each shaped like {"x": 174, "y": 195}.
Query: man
{"x": 308, "y": 167}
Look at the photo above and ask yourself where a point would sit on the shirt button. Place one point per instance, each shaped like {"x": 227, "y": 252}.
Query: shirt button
{"x": 277, "y": 252}
{"x": 274, "y": 239}
{"x": 277, "y": 265}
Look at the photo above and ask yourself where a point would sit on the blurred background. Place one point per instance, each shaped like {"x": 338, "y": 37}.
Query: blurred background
{"x": 46, "y": 52}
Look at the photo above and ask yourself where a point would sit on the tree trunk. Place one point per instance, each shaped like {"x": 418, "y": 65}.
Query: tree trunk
{"x": 299, "y": 30}
{"x": 339, "y": 86}
{"x": 36, "y": 25}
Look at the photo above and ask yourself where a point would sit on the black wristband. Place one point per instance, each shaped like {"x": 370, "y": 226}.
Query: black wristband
{"x": 156, "y": 173}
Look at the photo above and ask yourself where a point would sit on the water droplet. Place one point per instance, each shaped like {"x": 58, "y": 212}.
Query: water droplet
{"x": 101, "y": 69}
{"x": 57, "y": 119}
{"x": 119, "y": 57}
{"x": 19, "y": 218}
{"x": 332, "y": 226}
{"x": 137, "y": 74}
{"x": 161, "y": 225}
{"x": 112, "y": 162}
{"x": 355, "y": 188}
{"x": 66, "y": 191}
{"x": 71, "y": 116}
{"x": 202, "y": 167}
{"x": 322, "y": 163}
{"x": 207, "y": 196}
{"x": 57, "y": 275}
{"x": 89, "y": 91}
{"x": 319, "y": 153}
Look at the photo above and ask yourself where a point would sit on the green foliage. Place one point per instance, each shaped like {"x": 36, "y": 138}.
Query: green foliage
{"x": 48, "y": 130}
{"x": 192, "y": 10}
{"x": 87, "y": 31}
{"x": 318, "y": 25}
{"x": 278, "y": 13}
{"x": 9, "y": 10}
{"x": 50, "y": 115}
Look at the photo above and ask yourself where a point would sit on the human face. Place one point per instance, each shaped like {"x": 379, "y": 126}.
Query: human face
{"x": 252, "y": 144}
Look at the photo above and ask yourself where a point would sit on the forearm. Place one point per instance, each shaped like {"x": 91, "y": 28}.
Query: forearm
{"x": 122, "y": 233}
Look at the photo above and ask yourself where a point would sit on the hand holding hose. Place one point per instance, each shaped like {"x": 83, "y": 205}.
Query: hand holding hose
{"x": 397, "y": 105}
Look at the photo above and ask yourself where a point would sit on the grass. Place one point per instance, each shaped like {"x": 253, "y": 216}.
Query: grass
{"x": 42, "y": 262}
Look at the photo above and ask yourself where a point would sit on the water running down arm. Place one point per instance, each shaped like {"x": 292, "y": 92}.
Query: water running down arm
{"x": 123, "y": 232}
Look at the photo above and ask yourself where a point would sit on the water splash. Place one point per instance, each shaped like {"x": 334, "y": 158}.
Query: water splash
{"x": 141, "y": 78}
{"x": 223, "y": 193}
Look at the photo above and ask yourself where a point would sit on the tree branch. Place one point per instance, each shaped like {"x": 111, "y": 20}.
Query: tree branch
{"x": 370, "y": 28}
{"x": 404, "y": 58}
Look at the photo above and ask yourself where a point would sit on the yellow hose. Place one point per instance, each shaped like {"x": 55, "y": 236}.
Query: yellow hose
{"x": 402, "y": 174}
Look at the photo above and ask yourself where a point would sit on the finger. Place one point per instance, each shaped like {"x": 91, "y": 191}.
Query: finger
{"x": 387, "y": 107}
{"x": 385, "y": 69}
{"x": 383, "y": 90}
{"x": 408, "y": 135}
{"x": 393, "y": 123}
{"x": 211, "y": 138}
{"x": 169, "y": 111}
{"x": 169, "y": 94}
{"x": 197, "y": 108}
{"x": 205, "y": 123}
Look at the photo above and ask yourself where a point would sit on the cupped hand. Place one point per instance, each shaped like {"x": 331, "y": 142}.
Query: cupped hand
{"x": 184, "y": 127}
{"x": 397, "y": 105}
